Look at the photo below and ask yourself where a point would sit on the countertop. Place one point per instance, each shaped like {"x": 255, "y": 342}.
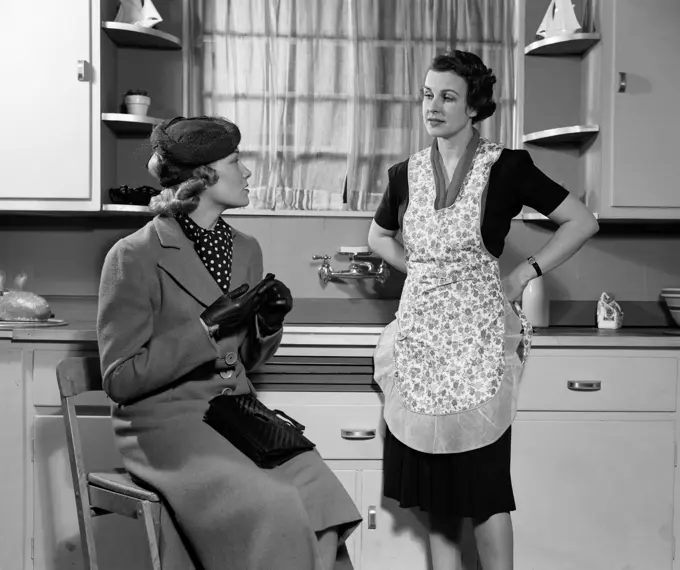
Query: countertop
{"x": 345, "y": 322}
{"x": 367, "y": 335}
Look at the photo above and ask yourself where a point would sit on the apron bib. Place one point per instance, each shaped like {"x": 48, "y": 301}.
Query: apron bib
{"x": 450, "y": 364}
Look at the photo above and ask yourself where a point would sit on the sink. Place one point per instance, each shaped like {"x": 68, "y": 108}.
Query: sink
{"x": 342, "y": 312}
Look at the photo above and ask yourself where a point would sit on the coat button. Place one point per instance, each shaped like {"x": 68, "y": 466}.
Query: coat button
{"x": 226, "y": 392}
{"x": 230, "y": 358}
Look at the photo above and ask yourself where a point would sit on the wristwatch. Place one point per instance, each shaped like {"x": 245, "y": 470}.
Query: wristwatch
{"x": 532, "y": 261}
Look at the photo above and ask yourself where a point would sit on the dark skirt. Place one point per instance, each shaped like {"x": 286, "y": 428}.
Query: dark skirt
{"x": 474, "y": 484}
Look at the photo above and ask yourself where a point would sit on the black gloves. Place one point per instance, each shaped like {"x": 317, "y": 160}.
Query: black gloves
{"x": 235, "y": 308}
{"x": 269, "y": 299}
{"x": 276, "y": 304}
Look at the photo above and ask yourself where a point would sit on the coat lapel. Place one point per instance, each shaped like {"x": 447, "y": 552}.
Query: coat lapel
{"x": 180, "y": 261}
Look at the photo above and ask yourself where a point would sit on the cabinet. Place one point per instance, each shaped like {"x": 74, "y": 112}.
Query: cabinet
{"x": 14, "y": 469}
{"x": 639, "y": 83}
{"x": 49, "y": 101}
{"x": 71, "y": 139}
{"x": 558, "y": 127}
{"x": 598, "y": 114}
{"x": 392, "y": 537}
{"x": 593, "y": 465}
{"x": 606, "y": 489}
{"x": 56, "y": 537}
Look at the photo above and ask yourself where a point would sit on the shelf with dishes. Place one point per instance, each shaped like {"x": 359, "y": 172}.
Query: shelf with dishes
{"x": 134, "y": 36}
{"x": 574, "y": 134}
{"x": 563, "y": 45}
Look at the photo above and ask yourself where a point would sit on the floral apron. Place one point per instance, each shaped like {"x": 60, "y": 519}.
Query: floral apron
{"x": 450, "y": 364}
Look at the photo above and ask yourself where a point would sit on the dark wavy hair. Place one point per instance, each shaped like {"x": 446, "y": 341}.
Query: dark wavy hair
{"x": 479, "y": 79}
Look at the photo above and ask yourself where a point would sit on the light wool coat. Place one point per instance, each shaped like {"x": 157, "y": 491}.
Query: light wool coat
{"x": 161, "y": 368}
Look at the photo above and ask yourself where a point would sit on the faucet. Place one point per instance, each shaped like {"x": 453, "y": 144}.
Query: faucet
{"x": 358, "y": 268}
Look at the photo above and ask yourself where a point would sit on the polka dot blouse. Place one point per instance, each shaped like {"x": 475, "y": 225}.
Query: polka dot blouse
{"x": 215, "y": 247}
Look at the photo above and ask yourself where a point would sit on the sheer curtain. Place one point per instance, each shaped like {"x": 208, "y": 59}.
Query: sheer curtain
{"x": 326, "y": 91}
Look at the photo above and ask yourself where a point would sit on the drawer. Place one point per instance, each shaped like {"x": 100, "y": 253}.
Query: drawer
{"x": 339, "y": 431}
{"x": 599, "y": 383}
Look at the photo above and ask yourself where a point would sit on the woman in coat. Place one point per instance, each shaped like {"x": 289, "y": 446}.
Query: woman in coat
{"x": 171, "y": 338}
{"x": 451, "y": 362}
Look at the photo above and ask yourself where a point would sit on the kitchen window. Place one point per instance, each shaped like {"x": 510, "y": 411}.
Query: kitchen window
{"x": 325, "y": 92}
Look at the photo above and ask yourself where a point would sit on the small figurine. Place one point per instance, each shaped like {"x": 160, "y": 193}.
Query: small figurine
{"x": 609, "y": 313}
{"x": 559, "y": 20}
{"x": 139, "y": 12}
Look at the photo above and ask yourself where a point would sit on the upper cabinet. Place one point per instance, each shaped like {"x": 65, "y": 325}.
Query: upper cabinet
{"x": 639, "y": 81}
{"x": 49, "y": 98}
{"x": 599, "y": 106}
{"x": 73, "y": 138}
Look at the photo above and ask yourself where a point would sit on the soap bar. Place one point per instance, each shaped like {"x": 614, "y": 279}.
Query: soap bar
{"x": 354, "y": 249}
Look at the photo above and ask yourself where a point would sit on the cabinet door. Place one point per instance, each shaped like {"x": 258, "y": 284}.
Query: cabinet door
{"x": 120, "y": 541}
{"x": 593, "y": 495}
{"x": 645, "y": 120}
{"x": 47, "y": 110}
{"x": 13, "y": 461}
{"x": 393, "y": 537}
{"x": 348, "y": 478}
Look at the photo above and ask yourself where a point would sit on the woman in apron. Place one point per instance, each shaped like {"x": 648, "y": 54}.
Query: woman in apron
{"x": 449, "y": 365}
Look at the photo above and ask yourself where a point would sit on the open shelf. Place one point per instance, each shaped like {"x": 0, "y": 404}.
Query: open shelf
{"x": 561, "y": 135}
{"x": 125, "y": 209}
{"x": 568, "y": 44}
{"x": 133, "y": 36}
{"x": 131, "y": 125}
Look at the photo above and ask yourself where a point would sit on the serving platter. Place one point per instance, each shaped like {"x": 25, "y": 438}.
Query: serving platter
{"x": 10, "y": 325}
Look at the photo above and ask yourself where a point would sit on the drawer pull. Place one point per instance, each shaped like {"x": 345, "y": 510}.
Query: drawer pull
{"x": 372, "y": 512}
{"x": 357, "y": 433}
{"x": 581, "y": 386}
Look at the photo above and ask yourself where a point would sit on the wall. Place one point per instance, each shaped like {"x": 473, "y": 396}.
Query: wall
{"x": 63, "y": 256}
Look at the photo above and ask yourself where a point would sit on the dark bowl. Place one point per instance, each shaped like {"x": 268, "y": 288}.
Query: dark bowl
{"x": 140, "y": 196}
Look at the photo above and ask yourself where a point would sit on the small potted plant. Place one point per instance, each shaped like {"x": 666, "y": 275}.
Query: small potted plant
{"x": 137, "y": 102}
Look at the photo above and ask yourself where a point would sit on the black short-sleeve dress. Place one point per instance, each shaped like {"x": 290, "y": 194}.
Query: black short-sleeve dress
{"x": 476, "y": 483}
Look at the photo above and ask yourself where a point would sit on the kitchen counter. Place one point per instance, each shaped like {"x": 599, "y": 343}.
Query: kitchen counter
{"x": 345, "y": 322}
{"x": 367, "y": 335}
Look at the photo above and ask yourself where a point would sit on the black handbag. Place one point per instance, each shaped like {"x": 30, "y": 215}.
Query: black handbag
{"x": 268, "y": 437}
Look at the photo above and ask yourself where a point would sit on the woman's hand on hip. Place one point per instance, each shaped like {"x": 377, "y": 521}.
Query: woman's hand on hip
{"x": 517, "y": 280}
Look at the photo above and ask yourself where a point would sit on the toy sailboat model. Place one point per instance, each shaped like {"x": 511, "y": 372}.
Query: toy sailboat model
{"x": 559, "y": 20}
{"x": 139, "y": 12}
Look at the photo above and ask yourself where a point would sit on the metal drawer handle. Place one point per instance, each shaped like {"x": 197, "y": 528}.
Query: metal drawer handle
{"x": 623, "y": 81}
{"x": 357, "y": 433}
{"x": 580, "y": 386}
{"x": 372, "y": 514}
{"x": 83, "y": 70}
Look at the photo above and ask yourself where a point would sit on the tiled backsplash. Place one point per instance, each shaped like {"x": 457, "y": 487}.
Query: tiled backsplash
{"x": 61, "y": 260}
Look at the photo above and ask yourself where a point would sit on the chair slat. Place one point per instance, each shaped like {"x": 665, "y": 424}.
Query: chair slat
{"x": 79, "y": 374}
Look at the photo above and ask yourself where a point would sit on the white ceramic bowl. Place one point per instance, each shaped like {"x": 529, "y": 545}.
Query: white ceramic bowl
{"x": 675, "y": 313}
{"x": 672, "y": 302}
